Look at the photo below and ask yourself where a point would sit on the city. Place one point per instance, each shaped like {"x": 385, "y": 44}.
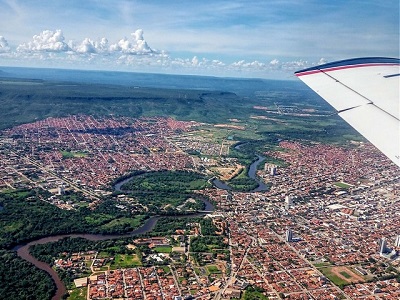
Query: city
{"x": 328, "y": 228}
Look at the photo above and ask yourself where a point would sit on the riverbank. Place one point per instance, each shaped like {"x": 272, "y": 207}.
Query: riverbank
{"x": 251, "y": 173}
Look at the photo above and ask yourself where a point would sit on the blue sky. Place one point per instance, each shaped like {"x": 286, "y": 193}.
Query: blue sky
{"x": 267, "y": 39}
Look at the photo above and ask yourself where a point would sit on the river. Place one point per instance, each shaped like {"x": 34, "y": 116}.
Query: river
{"x": 251, "y": 173}
{"x": 23, "y": 249}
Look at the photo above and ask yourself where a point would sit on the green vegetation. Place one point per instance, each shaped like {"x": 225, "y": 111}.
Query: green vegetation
{"x": 166, "y": 181}
{"x": 24, "y": 217}
{"x": 27, "y": 103}
{"x": 69, "y": 154}
{"x": 333, "y": 277}
{"x": 107, "y": 248}
{"x": 78, "y": 294}
{"x": 31, "y": 100}
{"x": 342, "y": 185}
{"x": 167, "y": 192}
{"x": 242, "y": 182}
{"x": 206, "y": 243}
{"x": 125, "y": 261}
{"x": 167, "y": 226}
{"x": 345, "y": 274}
{"x": 253, "y": 293}
{"x": 165, "y": 249}
{"x": 21, "y": 280}
{"x": 212, "y": 269}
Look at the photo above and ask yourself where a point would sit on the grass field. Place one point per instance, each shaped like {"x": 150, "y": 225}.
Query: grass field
{"x": 165, "y": 249}
{"x": 212, "y": 269}
{"x": 333, "y": 277}
{"x": 69, "y": 154}
{"x": 342, "y": 185}
{"x": 78, "y": 294}
{"x": 341, "y": 275}
{"x": 125, "y": 261}
{"x": 345, "y": 274}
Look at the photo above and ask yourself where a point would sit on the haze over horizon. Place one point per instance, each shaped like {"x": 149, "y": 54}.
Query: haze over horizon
{"x": 218, "y": 38}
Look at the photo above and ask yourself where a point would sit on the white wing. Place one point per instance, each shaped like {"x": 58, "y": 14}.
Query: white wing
{"x": 365, "y": 92}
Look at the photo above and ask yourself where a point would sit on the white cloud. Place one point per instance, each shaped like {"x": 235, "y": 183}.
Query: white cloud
{"x": 253, "y": 65}
{"x": 47, "y": 40}
{"x": 3, "y": 45}
{"x": 133, "y": 54}
{"x": 136, "y": 46}
{"x": 89, "y": 46}
{"x": 274, "y": 62}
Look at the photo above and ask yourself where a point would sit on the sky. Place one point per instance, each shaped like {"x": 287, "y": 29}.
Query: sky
{"x": 235, "y": 38}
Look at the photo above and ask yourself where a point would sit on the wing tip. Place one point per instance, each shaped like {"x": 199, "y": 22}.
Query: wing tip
{"x": 352, "y": 62}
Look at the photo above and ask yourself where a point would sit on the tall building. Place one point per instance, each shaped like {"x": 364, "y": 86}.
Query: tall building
{"x": 289, "y": 235}
{"x": 397, "y": 242}
{"x": 61, "y": 190}
{"x": 288, "y": 202}
{"x": 382, "y": 246}
{"x": 273, "y": 170}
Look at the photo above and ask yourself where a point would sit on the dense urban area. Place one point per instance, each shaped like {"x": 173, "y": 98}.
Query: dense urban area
{"x": 327, "y": 227}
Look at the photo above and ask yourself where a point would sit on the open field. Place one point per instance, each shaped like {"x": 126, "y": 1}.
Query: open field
{"x": 226, "y": 174}
{"x": 161, "y": 249}
{"x": 212, "y": 269}
{"x": 342, "y": 185}
{"x": 78, "y": 294}
{"x": 125, "y": 261}
{"x": 341, "y": 275}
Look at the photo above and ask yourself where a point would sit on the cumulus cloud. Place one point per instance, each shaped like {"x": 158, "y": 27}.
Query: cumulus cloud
{"x": 137, "y": 45}
{"x": 54, "y": 41}
{"x": 89, "y": 46}
{"x": 274, "y": 62}
{"x": 254, "y": 64}
{"x": 4, "y": 44}
{"x": 133, "y": 53}
{"x": 47, "y": 40}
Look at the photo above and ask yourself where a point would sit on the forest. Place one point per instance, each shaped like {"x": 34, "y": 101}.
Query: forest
{"x": 167, "y": 192}
{"x": 25, "y": 217}
{"x": 23, "y": 280}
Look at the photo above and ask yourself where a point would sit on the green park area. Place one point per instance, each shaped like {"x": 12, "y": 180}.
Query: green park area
{"x": 342, "y": 185}
{"x": 125, "y": 261}
{"x": 213, "y": 269}
{"x": 71, "y": 154}
{"x": 78, "y": 294}
{"x": 163, "y": 249}
{"x": 333, "y": 277}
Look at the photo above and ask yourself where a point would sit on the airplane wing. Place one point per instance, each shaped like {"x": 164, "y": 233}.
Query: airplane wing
{"x": 365, "y": 92}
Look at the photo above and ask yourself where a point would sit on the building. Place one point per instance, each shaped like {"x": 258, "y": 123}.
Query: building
{"x": 382, "y": 246}
{"x": 397, "y": 242}
{"x": 61, "y": 190}
{"x": 273, "y": 170}
{"x": 289, "y": 235}
{"x": 288, "y": 202}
